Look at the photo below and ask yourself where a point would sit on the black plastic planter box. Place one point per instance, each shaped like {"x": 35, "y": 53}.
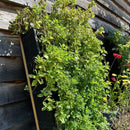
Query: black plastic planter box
{"x": 32, "y": 49}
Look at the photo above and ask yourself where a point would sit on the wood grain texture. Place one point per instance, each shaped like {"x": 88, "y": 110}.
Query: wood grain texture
{"x": 118, "y": 17}
{"x": 123, "y": 5}
{"x": 114, "y": 9}
{"x": 7, "y": 5}
{"x": 127, "y": 1}
{"x": 111, "y": 18}
{"x": 11, "y": 69}
{"x": 27, "y": 125}
{"x": 14, "y": 114}
{"x": 6, "y": 16}
{"x": 12, "y": 92}
{"x": 96, "y": 23}
{"x": 83, "y": 3}
{"x": 106, "y": 14}
{"x": 51, "y": 0}
{"x": 24, "y": 2}
{"x": 9, "y": 12}
{"x": 9, "y": 46}
{"x": 7, "y": 33}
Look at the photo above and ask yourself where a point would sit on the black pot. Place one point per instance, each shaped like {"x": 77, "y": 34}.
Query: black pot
{"x": 32, "y": 49}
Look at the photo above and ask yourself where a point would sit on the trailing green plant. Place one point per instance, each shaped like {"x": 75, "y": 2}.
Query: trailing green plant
{"x": 72, "y": 64}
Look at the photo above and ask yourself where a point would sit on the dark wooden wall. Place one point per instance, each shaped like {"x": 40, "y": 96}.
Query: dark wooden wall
{"x": 15, "y": 108}
{"x": 111, "y": 14}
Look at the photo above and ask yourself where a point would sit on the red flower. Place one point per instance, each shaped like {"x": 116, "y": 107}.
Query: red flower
{"x": 127, "y": 64}
{"x": 115, "y": 55}
{"x": 119, "y": 56}
{"x": 113, "y": 79}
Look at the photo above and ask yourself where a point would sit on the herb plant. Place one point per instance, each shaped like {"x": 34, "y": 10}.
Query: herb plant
{"x": 72, "y": 64}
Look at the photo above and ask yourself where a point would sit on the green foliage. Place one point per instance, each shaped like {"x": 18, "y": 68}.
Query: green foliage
{"x": 72, "y": 64}
{"x": 121, "y": 44}
{"x": 121, "y": 91}
{"x": 121, "y": 88}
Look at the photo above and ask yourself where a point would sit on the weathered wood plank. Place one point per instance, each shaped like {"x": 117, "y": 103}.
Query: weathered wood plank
{"x": 12, "y": 92}
{"x": 23, "y": 2}
{"x": 111, "y": 18}
{"x": 14, "y": 114}
{"x": 8, "y": 13}
{"x": 5, "y": 17}
{"x": 127, "y": 1}
{"x": 105, "y": 14}
{"x": 51, "y": 0}
{"x": 102, "y": 13}
{"x": 124, "y": 5}
{"x": 7, "y": 33}
{"x": 108, "y": 16}
{"x": 11, "y": 69}
{"x": 96, "y": 23}
{"x": 115, "y": 9}
{"x": 28, "y": 125}
{"x": 9, "y": 46}
{"x": 7, "y": 5}
{"x": 83, "y": 3}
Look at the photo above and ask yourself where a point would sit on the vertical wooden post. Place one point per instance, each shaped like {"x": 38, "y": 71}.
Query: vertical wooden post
{"x": 29, "y": 85}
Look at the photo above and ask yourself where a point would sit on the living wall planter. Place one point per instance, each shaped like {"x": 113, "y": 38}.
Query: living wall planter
{"x": 32, "y": 49}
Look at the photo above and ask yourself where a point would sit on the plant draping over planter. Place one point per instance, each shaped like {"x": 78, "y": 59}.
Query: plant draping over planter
{"x": 71, "y": 66}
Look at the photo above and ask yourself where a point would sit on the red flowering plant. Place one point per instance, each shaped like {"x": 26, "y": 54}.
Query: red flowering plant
{"x": 119, "y": 97}
{"x": 128, "y": 65}
{"x": 119, "y": 73}
{"x": 117, "y": 55}
{"x": 113, "y": 79}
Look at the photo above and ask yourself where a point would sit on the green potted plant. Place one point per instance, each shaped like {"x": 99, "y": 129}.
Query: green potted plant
{"x": 71, "y": 69}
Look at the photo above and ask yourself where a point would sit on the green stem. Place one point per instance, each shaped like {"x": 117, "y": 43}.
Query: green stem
{"x": 111, "y": 68}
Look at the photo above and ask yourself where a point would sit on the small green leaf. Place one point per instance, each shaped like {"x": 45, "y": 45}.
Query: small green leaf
{"x": 40, "y": 95}
{"x": 34, "y": 83}
{"x": 26, "y": 88}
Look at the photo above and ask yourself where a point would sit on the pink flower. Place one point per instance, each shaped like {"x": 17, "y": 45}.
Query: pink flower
{"x": 113, "y": 79}
{"x": 127, "y": 64}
